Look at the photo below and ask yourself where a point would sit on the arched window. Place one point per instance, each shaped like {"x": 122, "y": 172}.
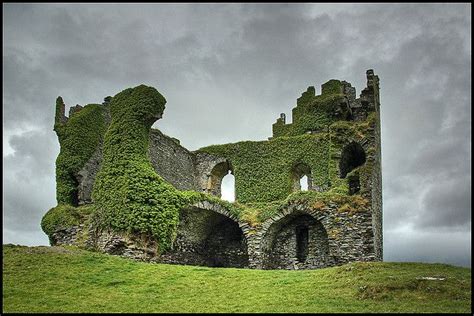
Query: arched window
{"x": 301, "y": 176}
{"x": 215, "y": 183}
{"x": 228, "y": 187}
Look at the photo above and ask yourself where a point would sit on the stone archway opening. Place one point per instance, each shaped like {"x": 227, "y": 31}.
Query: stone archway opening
{"x": 304, "y": 183}
{"x": 208, "y": 238}
{"x": 215, "y": 178}
{"x": 297, "y": 241}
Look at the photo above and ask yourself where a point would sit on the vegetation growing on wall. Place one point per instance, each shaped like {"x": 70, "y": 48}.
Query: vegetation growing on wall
{"x": 128, "y": 194}
{"x": 63, "y": 216}
{"x": 263, "y": 169}
{"x": 255, "y": 213}
{"x": 314, "y": 113}
{"x": 79, "y": 138}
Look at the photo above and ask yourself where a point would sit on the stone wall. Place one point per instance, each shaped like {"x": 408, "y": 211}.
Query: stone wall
{"x": 68, "y": 236}
{"x": 171, "y": 160}
{"x": 299, "y": 242}
{"x": 209, "y": 235}
{"x": 376, "y": 187}
{"x": 349, "y": 238}
{"x": 86, "y": 177}
{"x": 185, "y": 170}
{"x": 210, "y": 170}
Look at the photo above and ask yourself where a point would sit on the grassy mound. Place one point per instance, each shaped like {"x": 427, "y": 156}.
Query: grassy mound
{"x": 57, "y": 279}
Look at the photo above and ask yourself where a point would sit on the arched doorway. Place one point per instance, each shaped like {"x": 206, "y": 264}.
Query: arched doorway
{"x": 296, "y": 241}
{"x": 207, "y": 238}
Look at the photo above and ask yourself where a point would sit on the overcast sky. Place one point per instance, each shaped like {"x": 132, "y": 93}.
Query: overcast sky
{"x": 228, "y": 71}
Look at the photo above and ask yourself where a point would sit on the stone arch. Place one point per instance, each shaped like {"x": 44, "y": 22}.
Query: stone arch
{"x": 282, "y": 248}
{"x": 214, "y": 179}
{"x": 298, "y": 171}
{"x": 352, "y": 156}
{"x": 208, "y": 235}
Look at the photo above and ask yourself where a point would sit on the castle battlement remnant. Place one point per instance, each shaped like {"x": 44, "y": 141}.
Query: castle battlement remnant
{"x": 127, "y": 189}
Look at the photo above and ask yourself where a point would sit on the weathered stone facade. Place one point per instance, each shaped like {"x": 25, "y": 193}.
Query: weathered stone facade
{"x": 209, "y": 235}
{"x": 298, "y": 236}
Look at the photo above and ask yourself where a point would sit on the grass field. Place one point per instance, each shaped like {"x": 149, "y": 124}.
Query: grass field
{"x": 56, "y": 279}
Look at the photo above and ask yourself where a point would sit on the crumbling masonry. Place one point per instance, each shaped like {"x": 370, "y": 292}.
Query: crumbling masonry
{"x": 333, "y": 140}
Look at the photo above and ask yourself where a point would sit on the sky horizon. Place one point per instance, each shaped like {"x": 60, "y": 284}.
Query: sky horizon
{"x": 228, "y": 71}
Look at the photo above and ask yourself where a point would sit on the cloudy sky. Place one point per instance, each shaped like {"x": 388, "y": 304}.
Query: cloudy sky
{"x": 228, "y": 71}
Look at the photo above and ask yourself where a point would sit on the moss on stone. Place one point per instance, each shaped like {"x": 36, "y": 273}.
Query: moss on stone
{"x": 258, "y": 212}
{"x": 64, "y": 216}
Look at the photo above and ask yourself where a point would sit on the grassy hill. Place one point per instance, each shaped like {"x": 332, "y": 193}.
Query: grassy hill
{"x": 56, "y": 279}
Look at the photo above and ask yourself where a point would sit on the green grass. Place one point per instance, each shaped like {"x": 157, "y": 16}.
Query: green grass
{"x": 57, "y": 279}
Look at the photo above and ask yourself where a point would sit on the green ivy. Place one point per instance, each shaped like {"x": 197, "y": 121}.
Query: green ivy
{"x": 263, "y": 170}
{"x": 79, "y": 138}
{"x": 129, "y": 195}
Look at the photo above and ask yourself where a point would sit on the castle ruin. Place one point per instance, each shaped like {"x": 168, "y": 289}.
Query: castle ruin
{"x": 127, "y": 189}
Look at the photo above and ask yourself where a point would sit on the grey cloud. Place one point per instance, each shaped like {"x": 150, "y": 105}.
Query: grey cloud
{"x": 23, "y": 98}
{"x": 405, "y": 244}
{"x": 447, "y": 204}
{"x": 27, "y": 238}
{"x": 29, "y": 183}
{"x": 443, "y": 156}
{"x": 400, "y": 196}
{"x": 36, "y": 150}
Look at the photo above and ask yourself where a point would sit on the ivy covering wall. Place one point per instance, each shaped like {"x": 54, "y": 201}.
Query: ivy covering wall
{"x": 262, "y": 170}
{"x": 129, "y": 195}
{"x": 79, "y": 137}
{"x": 314, "y": 113}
